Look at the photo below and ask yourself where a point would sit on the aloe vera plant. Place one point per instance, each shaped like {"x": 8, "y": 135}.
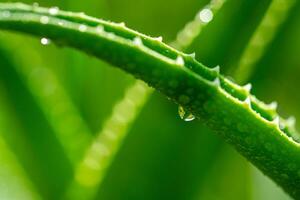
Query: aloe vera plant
{"x": 252, "y": 127}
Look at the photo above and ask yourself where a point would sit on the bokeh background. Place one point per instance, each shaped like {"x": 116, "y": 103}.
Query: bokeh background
{"x": 162, "y": 156}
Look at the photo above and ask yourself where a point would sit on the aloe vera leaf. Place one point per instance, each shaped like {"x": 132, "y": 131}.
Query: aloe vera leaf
{"x": 52, "y": 98}
{"x": 252, "y": 127}
{"x": 275, "y": 15}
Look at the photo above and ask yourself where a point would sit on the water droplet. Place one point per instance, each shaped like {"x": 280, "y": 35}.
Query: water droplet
{"x": 45, "y": 41}
{"x": 206, "y": 15}
{"x": 185, "y": 115}
{"x": 248, "y": 140}
{"x": 5, "y": 14}
{"x": 179, "y": 61}
{"x": 285, "y": 176}
{"x": 44, "y": 20}
{"x": 292, "y": 166}
{"x": 53, "y": 10}
{"x": 268, "y": 146}
{"x": 173, "y": 83}
{"x": 241, "y": 127}
{"x": 82, "y": 28}
{"x": 137, "y": 41}
{"x": 227, "y": 121}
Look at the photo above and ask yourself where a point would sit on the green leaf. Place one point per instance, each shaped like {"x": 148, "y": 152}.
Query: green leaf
{"x": 251, "y": 126}
{"x": 14, "y": 181}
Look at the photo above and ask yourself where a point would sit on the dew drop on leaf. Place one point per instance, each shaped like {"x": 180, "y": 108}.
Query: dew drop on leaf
{"x": 185, "y": 115}
{"x": 82, "y": 28}
{"x": 206, "y": 15}
{"x": 44, "y": 20}
{"x": 5, "y": 14}
{"x": 53, "y": 10}
{"x": 45, "y": 41}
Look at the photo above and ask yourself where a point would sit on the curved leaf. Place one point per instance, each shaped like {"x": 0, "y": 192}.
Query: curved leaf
{"x": 251, "y": 126}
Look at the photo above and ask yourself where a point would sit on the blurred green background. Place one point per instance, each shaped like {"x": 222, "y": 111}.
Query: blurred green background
{"x": 163, "y": 157}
